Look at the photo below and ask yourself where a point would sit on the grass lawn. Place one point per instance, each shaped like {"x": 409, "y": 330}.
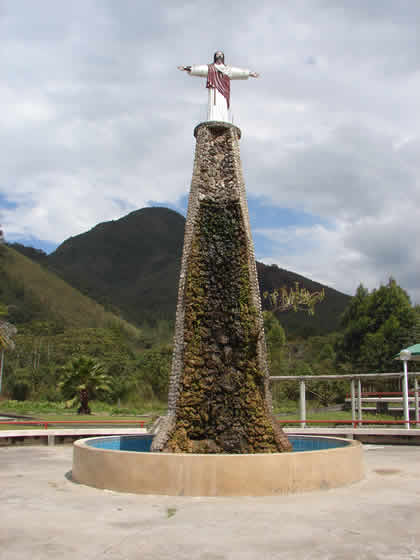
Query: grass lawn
{"x": 94, "y": 421}
{"x": 101, "y": 414}
{"x": 50, "y": 412}
{"x": 72, "y": 420}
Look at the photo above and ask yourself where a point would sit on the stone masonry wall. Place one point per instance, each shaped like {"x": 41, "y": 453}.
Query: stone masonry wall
{"x": 219, "y": 397}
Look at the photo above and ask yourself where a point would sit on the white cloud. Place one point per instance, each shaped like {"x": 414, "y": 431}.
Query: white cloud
{"x": 368, "y": 251}
{"x": 96, "y": 120}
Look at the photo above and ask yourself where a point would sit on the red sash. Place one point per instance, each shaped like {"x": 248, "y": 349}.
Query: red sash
{"x": 218, "y": 80}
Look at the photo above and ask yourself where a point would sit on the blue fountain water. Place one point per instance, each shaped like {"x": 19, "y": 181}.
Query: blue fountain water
{"x": 143, "y": 443}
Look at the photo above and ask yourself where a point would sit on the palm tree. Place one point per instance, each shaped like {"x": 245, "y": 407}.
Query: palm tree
{"x": 83, "y": 378}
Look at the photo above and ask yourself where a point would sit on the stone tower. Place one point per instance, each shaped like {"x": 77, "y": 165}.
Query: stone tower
{"x": 219, "y": 396}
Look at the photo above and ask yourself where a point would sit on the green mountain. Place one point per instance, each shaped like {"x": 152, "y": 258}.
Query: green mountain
{"x": 132, "y": 265}
{"x": 327, "y": 313}
{"x": 31, "y": 292}
{"x": 56, "y": 323}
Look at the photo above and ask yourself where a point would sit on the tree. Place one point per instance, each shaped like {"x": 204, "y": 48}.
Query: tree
{"x": 375, "y": 327}
{"x": 153, "y": 371}
{"x": 413, "y": 335}
{"x": 7, "y": 332}
{"x": 83, "y": 379}
{"x": 274, "y": 333}
{"x": 276, "y": 339}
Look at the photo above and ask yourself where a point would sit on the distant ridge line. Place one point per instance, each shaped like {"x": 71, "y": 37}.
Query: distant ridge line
{"x": 132, "y": 265}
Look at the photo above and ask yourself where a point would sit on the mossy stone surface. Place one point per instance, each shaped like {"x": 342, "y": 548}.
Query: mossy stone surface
{"x": 219, "y": 397}
{"x": 221, "y": 407}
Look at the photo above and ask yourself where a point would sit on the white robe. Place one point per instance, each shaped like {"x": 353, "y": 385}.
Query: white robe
{"x": 217, "y": 109}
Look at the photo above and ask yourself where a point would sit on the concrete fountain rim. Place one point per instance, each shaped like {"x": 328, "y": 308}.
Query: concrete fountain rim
{"x": 185, "y": 474}
{"x": 86, "y": 440}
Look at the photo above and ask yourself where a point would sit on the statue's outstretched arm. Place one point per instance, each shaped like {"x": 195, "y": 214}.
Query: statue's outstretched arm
{"x": 199, "y": 70}
{"x": 235, "y": 73}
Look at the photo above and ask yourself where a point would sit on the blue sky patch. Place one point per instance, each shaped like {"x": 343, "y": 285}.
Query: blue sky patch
{"x": 6, "y": 204}
{"x": 46, "y": 246}
{"x": 263, "y": 214}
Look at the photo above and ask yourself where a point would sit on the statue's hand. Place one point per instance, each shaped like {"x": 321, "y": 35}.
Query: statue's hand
{"x": 254, "y": 74}
{"x": 186, "y": 68}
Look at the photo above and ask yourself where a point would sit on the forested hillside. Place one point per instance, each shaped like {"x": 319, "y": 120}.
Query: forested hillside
{"x": 33, "y": 292}
{"x": 56, "y": 323}
{"x": 132, "y": 265}
{"x": 328, "y": 311}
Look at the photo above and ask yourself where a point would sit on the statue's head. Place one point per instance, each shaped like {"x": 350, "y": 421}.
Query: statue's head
{"x": 219, "y": 57}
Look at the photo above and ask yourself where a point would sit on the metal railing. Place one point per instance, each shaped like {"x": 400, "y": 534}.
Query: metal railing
{"x": 356, "y": 396}
{"x": 47, "y": 423}
{"x": 353, "y": 423}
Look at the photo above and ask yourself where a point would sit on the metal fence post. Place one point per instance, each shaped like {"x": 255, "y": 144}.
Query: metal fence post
{"x": 353, "y": 402}
{"x": 416, "y": 400}
{"x": 359, "y": 400}
{"x": 405, "y": 397}
{"x": 1, "y": 368}
{"x": 302, "y": 394}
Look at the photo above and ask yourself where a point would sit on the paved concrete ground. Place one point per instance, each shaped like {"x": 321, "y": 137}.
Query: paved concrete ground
{"x": 44, "y": 515}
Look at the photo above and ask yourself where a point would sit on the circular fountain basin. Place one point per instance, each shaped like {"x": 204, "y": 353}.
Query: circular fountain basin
{"x": 125, "y": 464}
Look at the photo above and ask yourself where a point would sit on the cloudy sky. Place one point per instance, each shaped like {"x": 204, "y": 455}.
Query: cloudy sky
{"x": 96, "y": 121}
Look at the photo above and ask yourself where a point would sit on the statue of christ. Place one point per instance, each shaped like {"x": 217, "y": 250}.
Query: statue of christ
{"x": 218, "y": 83}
